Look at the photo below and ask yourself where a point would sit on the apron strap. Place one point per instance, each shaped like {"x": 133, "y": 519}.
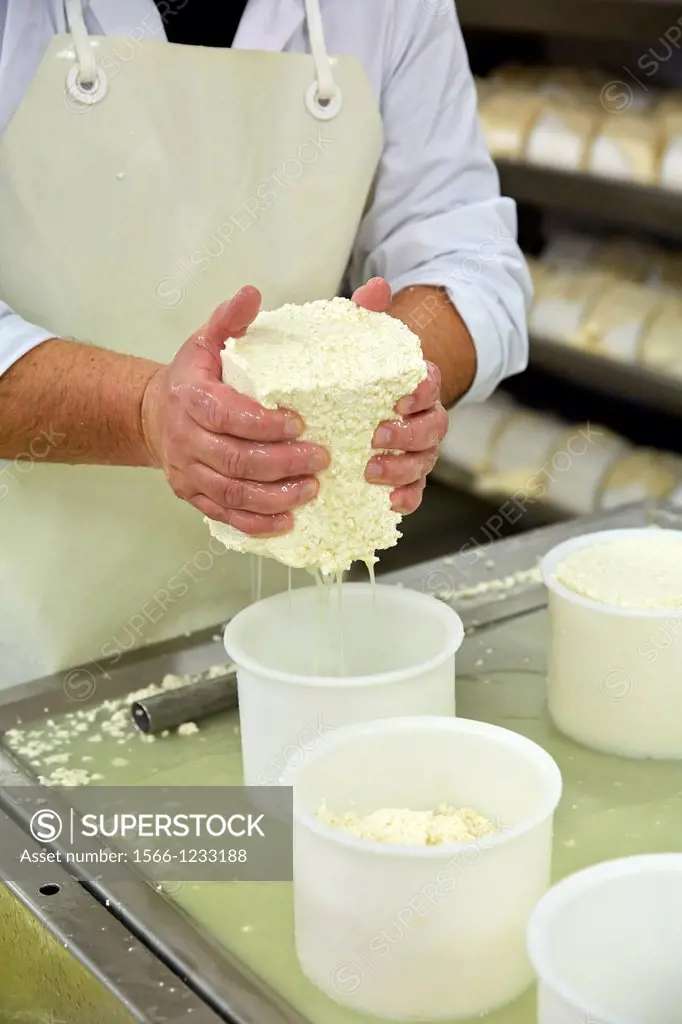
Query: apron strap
{"x": 88, "y": 83}
{"x": 326, "y": 85}
{"x": 87, "y": 65}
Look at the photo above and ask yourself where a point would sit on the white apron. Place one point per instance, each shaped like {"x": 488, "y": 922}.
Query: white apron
{"x": 135, "y": 197}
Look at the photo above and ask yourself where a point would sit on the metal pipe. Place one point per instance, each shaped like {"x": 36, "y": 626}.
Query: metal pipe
{"x": 170, "y": 709}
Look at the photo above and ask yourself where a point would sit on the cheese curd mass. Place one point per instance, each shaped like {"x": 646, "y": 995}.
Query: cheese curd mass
{"x": 342, "y": 369}
{"x": 411, "y": 828}
{"x": 642, "y": 573}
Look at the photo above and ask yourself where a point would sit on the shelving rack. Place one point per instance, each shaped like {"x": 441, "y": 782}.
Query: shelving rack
{"x": 609, "y": 375}
{"x": 619, "y": 206}
{"x": 621, "y": 20}
{"x": 612, "y": 203}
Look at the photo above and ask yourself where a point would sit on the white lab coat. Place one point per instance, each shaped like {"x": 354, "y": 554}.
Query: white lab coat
{"x": 436, "y": 216}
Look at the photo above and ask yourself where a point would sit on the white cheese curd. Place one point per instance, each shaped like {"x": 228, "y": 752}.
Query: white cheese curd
{"x": 188, "y": 729}
{"x": 642, "y": 572}
{"x": 342, "y": 369}
{"x": 411, "y": 828}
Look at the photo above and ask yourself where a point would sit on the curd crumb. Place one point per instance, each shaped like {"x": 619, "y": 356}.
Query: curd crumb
{"x": 188, "y": 729}
{"x": 404, "y": 827}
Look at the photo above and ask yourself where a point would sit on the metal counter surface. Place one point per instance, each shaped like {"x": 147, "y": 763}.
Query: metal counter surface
{"x": 234, "y": 942}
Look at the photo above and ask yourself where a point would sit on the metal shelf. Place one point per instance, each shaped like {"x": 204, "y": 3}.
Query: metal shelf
{"x": 608, "y": 375}
{"x": 641, "y": 21}
{"x": 586, "y": 195}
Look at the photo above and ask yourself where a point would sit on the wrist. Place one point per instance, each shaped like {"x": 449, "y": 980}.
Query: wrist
{"x": 429, "y": 312}
{"x": 149, "y": 425}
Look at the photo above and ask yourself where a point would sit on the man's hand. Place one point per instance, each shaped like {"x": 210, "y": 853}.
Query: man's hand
{"x": 417, "y": 435}
{"x": 235, "y": 461}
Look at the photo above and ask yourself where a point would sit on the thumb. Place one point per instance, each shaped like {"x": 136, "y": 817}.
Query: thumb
{"x": 230, "y": 320}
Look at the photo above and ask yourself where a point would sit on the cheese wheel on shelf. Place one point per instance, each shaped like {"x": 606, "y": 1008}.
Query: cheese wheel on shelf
{"x": 626, "y": 147}
{"x": 674, "y": 460}
{"x": 642, "y": 475}
{"x": 519, "y": 77}
{"x": 562, "y": 135}
{"x": 570, "y": 248}
{"x": 618, "y": 321}
{"x": 668, "y": 116}
{"x": 661, "y": 346}
{"x": 563, "y": 301}
{"x": 524, "y": 441}
{"x": 670, "y": 175}
{"x": 627, "y": 258}
{"x": 668, "y": 271}
{"x": 472, "y": 430}
{"x": 579, "y": 464}
{"x": 484, "y": 87}
{"x": 537, "y": 269}
{"x": 668, "y": 102}
{"x": 506, "y": 118}
{"x": 580, "y": 86}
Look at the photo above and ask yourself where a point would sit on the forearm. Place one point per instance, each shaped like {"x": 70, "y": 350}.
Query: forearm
{"x": 69, "y": 402}
{"x": 428, "y": 311}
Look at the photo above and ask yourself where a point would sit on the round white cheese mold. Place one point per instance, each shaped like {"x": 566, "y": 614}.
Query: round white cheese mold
{"x": 605, "y": 944}
{"x": 641, "y": 475}
{"x": 561, "y": 135}
{"x": 519, "y": 453}
{"x": 422, "y": 932}
{"x": 614, "y": 674}
{"x": 318, "y": 658}
{"x": 525, "y": 441}
{"x": 472, "y": 432}
{"x": 576, "y": 469}
{"x": 563, "y": 299}
{"x": 626, "y": 148}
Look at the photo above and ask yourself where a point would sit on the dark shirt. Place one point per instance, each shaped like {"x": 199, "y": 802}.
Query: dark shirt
{"x": 201, "y": 22}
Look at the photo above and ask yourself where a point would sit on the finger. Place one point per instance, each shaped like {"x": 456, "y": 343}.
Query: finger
{"x": 246, "y": 460}
{"x": 407, "y": 499}
{"x": 375, "y": 295}
{"x": 220, "y": 409}
{"x": 248, "y": 522}
{"x": 399, "y": 470}
{"x": 414, "y": 433}
{"x": 245, "y": 495}
{"x": 425, "y": 396}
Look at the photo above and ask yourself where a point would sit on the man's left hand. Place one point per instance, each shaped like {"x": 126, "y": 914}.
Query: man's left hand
{"x": 414, "y": 437}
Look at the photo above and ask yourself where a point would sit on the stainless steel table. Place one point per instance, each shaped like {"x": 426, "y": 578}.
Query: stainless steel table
{"x": 217, "y": 951}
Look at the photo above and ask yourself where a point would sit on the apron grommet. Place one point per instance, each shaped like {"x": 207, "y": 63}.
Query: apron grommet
{"x": 86, "y": 93}
{"x": 323, "y": 110}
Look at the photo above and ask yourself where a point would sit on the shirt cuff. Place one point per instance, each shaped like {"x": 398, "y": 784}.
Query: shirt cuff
{"x": 488, "y": 342}
{"x": 17, "y": 337}
{"x": 481, "y": 325}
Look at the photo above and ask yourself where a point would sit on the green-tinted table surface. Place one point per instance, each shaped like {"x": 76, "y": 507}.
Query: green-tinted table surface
{"x": 610, "y": 807}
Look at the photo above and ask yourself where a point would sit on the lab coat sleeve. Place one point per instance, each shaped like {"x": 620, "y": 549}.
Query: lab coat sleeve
{"x": 436, "y": 216}
{"x": 17, "y": 337}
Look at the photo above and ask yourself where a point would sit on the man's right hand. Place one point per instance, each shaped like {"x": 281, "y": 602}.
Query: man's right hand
{"x": 225, "y": 454}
